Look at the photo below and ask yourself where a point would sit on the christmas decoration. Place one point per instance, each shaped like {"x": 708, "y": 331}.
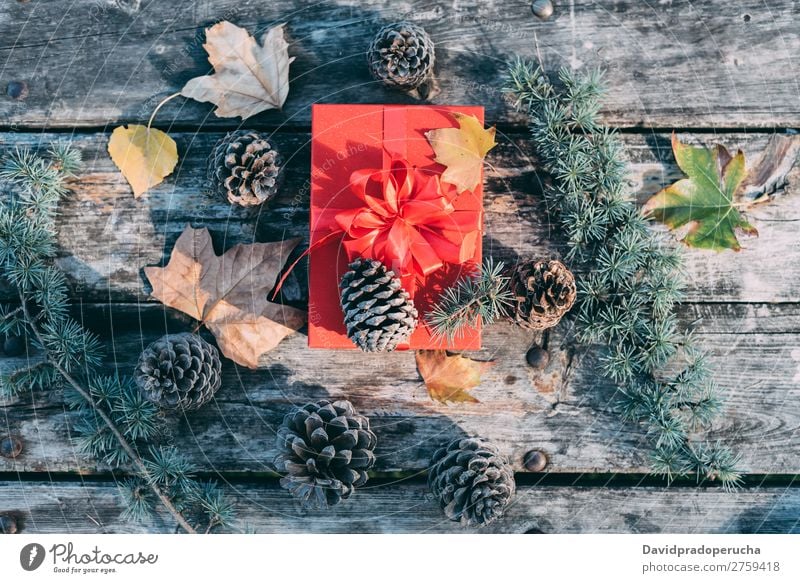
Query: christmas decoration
{"x": 543, "y": 292}
{"x": 228, "y": 293}
{"x": 113, "y": 422}
{"x": 705, "y": 200}
{"x": 462, "y": 151}
{"x": 632, "y": 279}
{"x": 179, "y": 372}
{"x": 378, "y": 312}
{"x": 401, "y": 55}
{"x": 390, "y": 205}
{"x": 144, "y": 155}
{"x": 248, "y": 77}
{"x": 244, "y": 167}
{"x": 325, "y": 451}
{"x": 448, "y": 377}
{"x": 472, "y": 481}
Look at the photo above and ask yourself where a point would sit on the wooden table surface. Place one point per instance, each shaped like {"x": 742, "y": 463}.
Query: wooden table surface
{"x": 715, "y": 71}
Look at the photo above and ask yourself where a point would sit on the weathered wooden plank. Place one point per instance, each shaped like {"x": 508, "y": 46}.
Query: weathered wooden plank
{"x": 681, "y": 63}
{"x": 755, "y": 351}
{"x": 107, "y": 236}
{"x": 406, "y": 507}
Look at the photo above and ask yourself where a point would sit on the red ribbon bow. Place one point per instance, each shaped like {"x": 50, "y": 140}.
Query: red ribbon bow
{"x": 406, "y": 222}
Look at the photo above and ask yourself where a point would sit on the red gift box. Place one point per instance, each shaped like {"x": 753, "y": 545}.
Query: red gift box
{"x": 350, "y": 138}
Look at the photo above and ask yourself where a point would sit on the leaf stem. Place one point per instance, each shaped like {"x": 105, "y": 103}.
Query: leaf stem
{"x": 137, "y": 461}
{"x": 159, "y": 106}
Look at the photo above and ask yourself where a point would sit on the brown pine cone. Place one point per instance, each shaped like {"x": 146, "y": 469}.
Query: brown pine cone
{"x": 472, "y": 481}
{"x": 245, "y": 168}
{"x": 543, "y": 292}
{"x": 401, "y": 55}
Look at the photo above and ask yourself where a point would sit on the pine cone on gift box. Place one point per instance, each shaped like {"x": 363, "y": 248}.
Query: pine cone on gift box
{"x": 325, "y": 450}
{"x": 179, "y": 372}
{"x": 401, "y": 55}
{"x": 244, "y": 167}
{"x": 472, "y": 481}
{"x": 378, "y": 313}
{"x": 543, "y": 291}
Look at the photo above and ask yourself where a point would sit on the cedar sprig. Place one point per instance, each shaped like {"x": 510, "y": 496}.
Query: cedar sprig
{"x": 479, "y": 297}
{"x": 115, "y": 424}
{"x": 632, "y": 279}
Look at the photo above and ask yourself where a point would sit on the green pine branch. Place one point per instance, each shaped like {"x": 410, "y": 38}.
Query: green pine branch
{"x": 115, "y": 423}
{"x": 477, "y": 298}
{"x": 632, "y": 278}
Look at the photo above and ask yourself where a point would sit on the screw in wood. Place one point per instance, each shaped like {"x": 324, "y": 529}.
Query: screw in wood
{"x": 11, "y": 446}
{"x": 8, "y": 525}
{"x": 537, "y": 357}
{"x": 17, "y": 90}
{"x": 535, "y": 461}
{"x": 543, "y": 9}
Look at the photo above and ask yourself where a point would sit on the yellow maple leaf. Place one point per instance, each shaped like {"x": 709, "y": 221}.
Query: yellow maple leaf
{"x": 144, "y": 156}
{"x": 462, "y": 150}
{"x": 449, "y": 377}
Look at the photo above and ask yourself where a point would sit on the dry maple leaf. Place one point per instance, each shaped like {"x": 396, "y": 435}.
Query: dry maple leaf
{"x": 228, "y": 293}
{"x": 462, "y": 150}
{"x": 248, "y": 77}
{"x": 449, "y": 377}
{"x": 145, "y": 156}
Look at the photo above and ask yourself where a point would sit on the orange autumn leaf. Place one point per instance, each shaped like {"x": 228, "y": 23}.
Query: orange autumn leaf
{"x": 462, "y": 150}
{"x": 449, "y": 377}
{"x": 228, "y": 292}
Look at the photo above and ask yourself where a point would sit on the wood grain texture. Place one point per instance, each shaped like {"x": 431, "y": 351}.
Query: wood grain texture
{"x": 107, "y": 237}
{"x": 406, "y": 507}
{"x": 565, "y": 410}
{"x": 681, "y": 63}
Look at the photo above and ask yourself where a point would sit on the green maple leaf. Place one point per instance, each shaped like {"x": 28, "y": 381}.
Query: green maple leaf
{"x": 704, "y": 200}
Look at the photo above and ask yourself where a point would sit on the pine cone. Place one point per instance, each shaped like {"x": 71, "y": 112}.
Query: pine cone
{"x": 179, "y": 372}
{"x": 543, "y": 292}
{"x": 378, "y": 313}
{"x": 401, "y": 55}
{"x": 472, "y": 480}
{"x": 326, "y": 451}
{"x": 244, "y": 167}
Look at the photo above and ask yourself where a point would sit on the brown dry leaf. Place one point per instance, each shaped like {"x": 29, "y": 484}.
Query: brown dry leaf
{"x": 771, "y": 172}
{"x": 248, "y": 77}
{"x": 462, "y": 150}
{"x": 449, "y": 377}
{"x": 144, "y": 156}
{"x": 228, "y": 293}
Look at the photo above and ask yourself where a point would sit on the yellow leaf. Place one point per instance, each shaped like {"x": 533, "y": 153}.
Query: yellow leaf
{"x": 448, "y": 377}
{"x": 145, "y": 157}
{"x": 248, "y": 77}
{"x": 228, "y": 292}
{"x": 462, "y": 150}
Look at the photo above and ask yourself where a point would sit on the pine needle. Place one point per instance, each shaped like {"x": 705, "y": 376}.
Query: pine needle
{"x": 632, "y": 279}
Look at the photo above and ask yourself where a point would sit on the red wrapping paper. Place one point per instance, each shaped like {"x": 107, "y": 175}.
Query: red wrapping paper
{"x": 349, "y": 138}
